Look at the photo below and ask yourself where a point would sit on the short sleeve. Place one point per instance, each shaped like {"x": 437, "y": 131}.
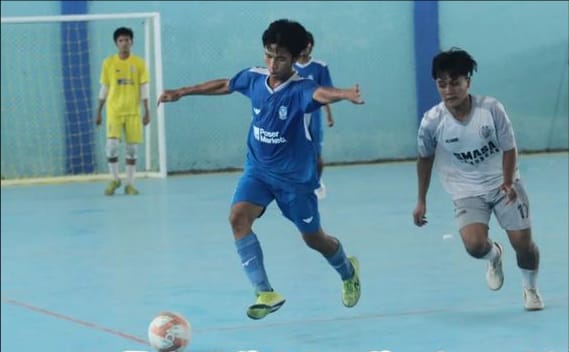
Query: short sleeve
{"x": 105, "y": 80}
{"x": 307, "y": 103}
{"x": 504, "y": 130}
{"x": 326, "y": 78}
{"x": 143, "y": 72}
{"x": 242, "y": 82}
{"x": 426, "y": 141}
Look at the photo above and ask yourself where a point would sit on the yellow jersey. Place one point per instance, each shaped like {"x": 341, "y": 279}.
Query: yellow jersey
{"x": 124, "y": 78}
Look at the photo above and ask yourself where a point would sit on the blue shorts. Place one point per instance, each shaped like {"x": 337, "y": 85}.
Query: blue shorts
{"x": 300, "y": 207}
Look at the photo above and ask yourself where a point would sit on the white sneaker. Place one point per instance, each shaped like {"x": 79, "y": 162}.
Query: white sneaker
{"x": 494, "y": 273}
{"x": 532, "y": 299}
{"x": 321, "y": 191}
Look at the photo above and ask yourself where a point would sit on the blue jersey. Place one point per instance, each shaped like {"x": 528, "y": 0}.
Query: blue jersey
{"x": 319, "y": 73}
{"x": 316, "y": 71}
{"x": 279, "y": 146}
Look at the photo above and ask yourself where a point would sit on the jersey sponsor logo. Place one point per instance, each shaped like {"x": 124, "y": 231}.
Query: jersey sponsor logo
{"x": 269, "y": 137}
{"x": 125, "y": 82}
{"x": 283, "y": 111}
{"x": 477, "y": 156}
{"x": 451, "y": 140}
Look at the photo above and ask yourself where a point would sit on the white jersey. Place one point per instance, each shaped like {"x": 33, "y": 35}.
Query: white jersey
{"x": 468, "y": 154}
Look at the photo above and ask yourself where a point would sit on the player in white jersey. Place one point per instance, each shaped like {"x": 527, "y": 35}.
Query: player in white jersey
{"x": 471, "y": 142}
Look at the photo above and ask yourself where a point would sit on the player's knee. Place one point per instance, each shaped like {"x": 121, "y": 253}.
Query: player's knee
{"x": 478, "y": 249}
{"x": 240, "y": 224}
{"x": 313, "y": 241}
{"x": 112, "y": 148}
{"x": 319, "y": 241}
{"x": 524, "y": 246}
{"x": 131, "y": 151}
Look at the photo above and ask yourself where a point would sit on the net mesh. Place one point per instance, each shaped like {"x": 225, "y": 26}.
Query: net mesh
{"x": 50, "y": 85}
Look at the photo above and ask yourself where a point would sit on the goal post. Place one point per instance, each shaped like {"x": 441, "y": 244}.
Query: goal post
{"x": 50, "y": 83}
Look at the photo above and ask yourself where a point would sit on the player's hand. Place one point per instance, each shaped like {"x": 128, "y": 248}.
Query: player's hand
{"x": 98, "y": 119}
{"x": 146, "y": 118}
{"x": 354, "y": 95}
{"x": 330, "y": 121}
{"x": 169, "y": 96}
{"x": 419, "y": 217}
{"x": 510, "y": 192}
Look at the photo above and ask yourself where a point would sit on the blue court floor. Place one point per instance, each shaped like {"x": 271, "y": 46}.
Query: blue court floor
{"x": 82, "y": 272}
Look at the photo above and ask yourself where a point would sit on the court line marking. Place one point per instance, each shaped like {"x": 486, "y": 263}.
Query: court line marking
{"x": 76, "y": 321}
{"x": 265, "y": 324}
{"x": 418, "y": 312}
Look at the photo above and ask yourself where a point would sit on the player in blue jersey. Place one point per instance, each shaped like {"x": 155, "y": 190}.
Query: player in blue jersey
{"x": 318, "y": 71}
{"x": 281, "y": 154}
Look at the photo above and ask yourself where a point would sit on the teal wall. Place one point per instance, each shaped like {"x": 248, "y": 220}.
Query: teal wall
{"x": 30, "y": 8}
{"x": 521, "y": 47}
{"x": 202, "y": 41}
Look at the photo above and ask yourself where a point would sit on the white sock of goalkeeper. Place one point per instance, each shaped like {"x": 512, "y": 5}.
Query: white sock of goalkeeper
{"x": 131, "y": 159}
{"x": 113, "y": 157}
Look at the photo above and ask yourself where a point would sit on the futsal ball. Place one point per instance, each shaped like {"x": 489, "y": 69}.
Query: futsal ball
{"x": 169, "y": 332}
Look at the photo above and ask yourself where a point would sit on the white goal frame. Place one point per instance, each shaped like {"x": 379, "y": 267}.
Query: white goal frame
{"x": 152, "y": 26}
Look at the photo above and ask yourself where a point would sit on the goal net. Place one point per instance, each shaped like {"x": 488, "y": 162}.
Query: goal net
{"x": 50, "y": 85}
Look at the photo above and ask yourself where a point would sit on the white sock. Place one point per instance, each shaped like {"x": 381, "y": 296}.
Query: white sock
{"x": 493, "y": 254}
{"x": 130, "y": 170}
{"x": 114, "y": 169}
{"x": 529, "y": 278}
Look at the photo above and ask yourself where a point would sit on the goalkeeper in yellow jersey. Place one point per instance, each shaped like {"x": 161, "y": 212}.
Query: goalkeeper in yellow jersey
{"x": 124, "y": 86}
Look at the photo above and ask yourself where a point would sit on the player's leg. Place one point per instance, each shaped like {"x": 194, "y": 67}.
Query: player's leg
{"x": 302, "y": 210}
{"x": 317, "y": 133}
{"x": 348, "y": 267}
{"x": 321, "y": 190}
{"x": 319, "y": 165}
{"x": 249, "y": 202}
{"x": 472, "y": 216}
{"x": 515, "y": 219}
{"x": 134, "y": 136}
{"x": 112, "y": 151}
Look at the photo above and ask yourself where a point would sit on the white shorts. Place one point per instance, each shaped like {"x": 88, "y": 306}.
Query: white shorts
{"x": 513, "y": 216}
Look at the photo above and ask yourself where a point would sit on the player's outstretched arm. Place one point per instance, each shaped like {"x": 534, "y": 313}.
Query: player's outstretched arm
{"x": 329, "y": 95}
{"x": 213, "y": 87}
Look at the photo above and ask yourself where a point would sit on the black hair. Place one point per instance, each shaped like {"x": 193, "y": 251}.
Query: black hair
{"x": 310, "y": 39}
{"x": 454, "y": 62}
{"x": 287, "y": 34}
{"x": 123, "y": 31}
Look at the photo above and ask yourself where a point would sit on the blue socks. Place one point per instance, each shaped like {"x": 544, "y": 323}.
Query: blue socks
{"x": 341, "y": 263}
{"x": 251, "y": 255}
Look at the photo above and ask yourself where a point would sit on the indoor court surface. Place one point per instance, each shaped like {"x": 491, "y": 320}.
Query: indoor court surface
{"x": 82, "y": 272}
